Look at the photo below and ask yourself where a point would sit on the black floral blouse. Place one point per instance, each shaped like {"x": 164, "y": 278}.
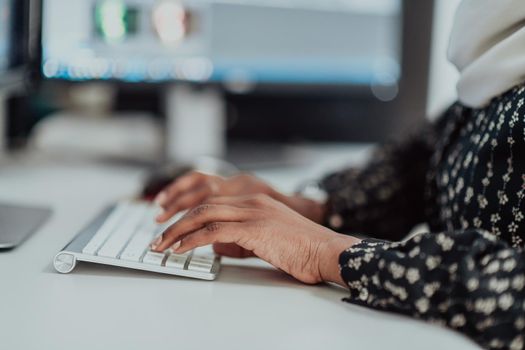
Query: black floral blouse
{"x": 465, "y": 177}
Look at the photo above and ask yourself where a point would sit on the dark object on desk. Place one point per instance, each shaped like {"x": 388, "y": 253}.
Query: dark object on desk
{"x": 160, "y": 178}
{"x": 18, "y": 223}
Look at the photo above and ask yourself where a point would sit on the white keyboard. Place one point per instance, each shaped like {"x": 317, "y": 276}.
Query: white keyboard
{"x": 121, "y": 235}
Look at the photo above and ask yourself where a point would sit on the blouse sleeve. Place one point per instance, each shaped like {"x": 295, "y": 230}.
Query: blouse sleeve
{"x": 385, "y": 198}
{"x": 469, "y": 281}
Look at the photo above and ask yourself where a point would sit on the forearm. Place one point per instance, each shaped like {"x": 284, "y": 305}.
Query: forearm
{"x": 384, "y": 199}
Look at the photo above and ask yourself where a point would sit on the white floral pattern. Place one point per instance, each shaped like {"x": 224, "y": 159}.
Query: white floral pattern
{"x": 465, "y": 177}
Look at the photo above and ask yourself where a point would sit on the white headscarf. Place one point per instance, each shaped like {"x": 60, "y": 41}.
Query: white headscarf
{"x": 487, "y": 46}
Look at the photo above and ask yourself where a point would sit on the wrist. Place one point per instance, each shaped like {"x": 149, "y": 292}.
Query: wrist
{"x": 329, "y": 257}
{"x": 308, "y": 208}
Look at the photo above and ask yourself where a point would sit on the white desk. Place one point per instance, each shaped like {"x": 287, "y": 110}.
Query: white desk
{"x": 250, "y": 306}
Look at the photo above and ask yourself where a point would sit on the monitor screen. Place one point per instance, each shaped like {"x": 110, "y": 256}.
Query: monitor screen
{"x": 350, "y": 42}
{"x": 5, "y": 34}
{"x": 14, "y": 31}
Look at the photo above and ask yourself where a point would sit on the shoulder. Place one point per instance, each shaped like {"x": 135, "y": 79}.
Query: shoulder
{"x": 507, "y": 116}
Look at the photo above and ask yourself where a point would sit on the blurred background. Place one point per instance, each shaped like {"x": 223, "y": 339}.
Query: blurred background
{"x": 170, "y": 80}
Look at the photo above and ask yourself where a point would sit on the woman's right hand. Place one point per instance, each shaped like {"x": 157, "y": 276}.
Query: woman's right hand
{"x": 190, "y": 190}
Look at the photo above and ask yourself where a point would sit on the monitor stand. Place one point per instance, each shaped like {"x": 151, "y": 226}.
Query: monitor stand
{"x": 3, "y": 124}
{"x": 195, "y": 123}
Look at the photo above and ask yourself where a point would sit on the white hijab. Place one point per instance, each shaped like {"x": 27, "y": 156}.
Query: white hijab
{"x": 487, "y": 46}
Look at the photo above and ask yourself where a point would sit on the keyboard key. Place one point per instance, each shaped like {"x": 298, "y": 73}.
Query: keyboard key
{"x": 148, "y": 223}
{"x": 106, "y": 229}
{"x": 163, "y": 227}
{"x": 137, "y": 246}
{"x": 122, "y": 234}
{"x": 176, "y": 261}
{"x": 200, "y": 266}
{"x": 154, "y": 258}
{"x": 205, "y": 252}
{"x": 203, "y": 259}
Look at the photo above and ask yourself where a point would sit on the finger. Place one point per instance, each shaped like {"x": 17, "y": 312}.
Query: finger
{"x": 185, "y": 201}
{"x": 232, "y": 250}
{"x": 199, "y": 217}
{"x": 209, "y": 186}
{"x": 182, "y": 184}
{"x": 245, "y": 201}
{"x": 215, "y": 232}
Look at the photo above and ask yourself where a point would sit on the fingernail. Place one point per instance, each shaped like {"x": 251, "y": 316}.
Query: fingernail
{"x": 156, "y": 243}
{"x": 161, "y": 198}
{"x": 175, "y": 246}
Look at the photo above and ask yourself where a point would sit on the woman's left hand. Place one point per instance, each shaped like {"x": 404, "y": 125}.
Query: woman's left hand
{"x": 267, "y": 228}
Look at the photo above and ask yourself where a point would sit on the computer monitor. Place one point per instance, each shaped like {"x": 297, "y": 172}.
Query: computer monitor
{"x": 353, "y": 69}
{"x": 14, "y": 42}
{"x": 236, "y": 42}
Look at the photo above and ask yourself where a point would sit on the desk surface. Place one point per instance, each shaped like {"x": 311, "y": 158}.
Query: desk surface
{"x": 251, "y": 305}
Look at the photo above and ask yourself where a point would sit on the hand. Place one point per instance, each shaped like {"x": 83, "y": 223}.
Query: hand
{"x": 267, "y": 228}
{"x": 193, "y": 189}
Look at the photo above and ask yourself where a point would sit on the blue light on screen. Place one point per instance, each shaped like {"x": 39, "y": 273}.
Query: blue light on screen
{"x": 5, "y": 25}
{"x": 346, "y": 42}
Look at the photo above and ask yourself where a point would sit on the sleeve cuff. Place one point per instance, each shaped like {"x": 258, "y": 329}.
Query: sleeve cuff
{"x": 357, "y": 264}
